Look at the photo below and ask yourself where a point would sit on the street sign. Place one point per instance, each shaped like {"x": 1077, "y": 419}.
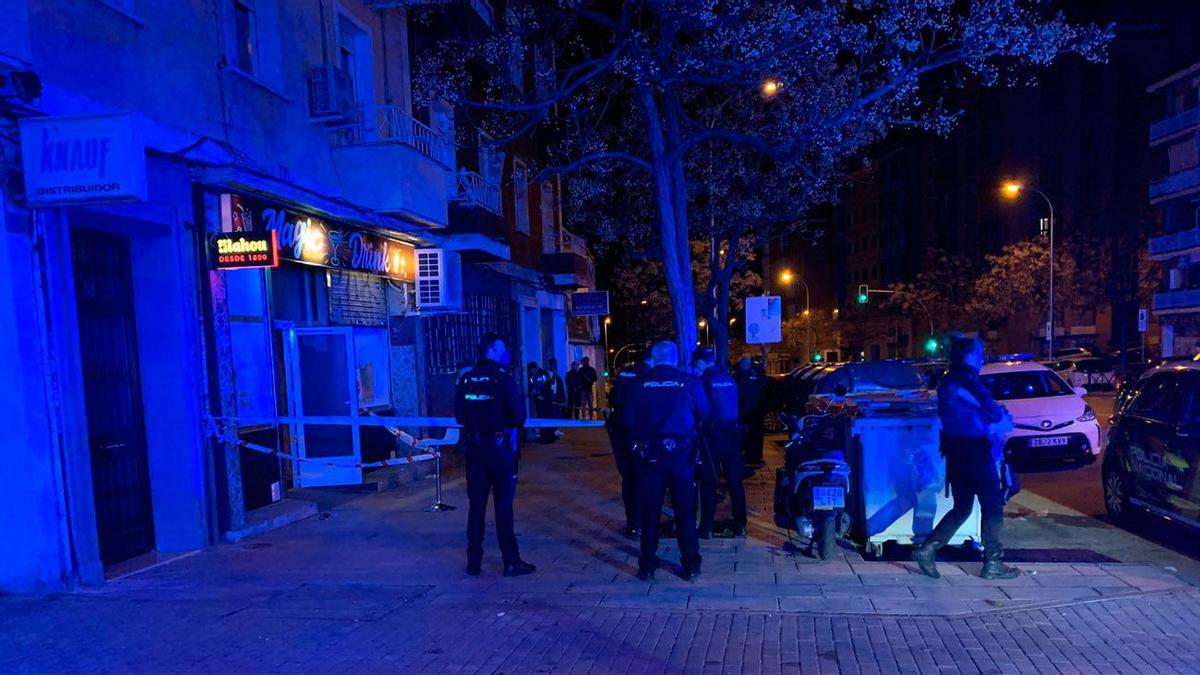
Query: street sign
{"x": 589, "y": 303}
{"x": 1143, "y": 319}
{"x": 764, "y": 320}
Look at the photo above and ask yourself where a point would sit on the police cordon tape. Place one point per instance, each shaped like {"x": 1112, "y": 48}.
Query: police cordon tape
{"x": 370, "y": 420}
{"x": 215, "y": 432}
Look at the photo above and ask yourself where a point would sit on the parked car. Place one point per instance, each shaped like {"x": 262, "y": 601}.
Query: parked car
{"x": 1071, "y": 354}
{"x": 1051, "y": 419}
{"x": 1153, "y": 452}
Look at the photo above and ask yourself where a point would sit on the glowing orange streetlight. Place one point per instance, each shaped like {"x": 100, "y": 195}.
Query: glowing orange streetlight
{"x": 770, "y": 87}
{"x": 1012, "y": 189}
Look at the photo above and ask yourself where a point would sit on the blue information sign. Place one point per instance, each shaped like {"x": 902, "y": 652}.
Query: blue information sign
{"x": 589, "y": 303}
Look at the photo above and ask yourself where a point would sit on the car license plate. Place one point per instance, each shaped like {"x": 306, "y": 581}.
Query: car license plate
{"x": 828, "y": 497}
{"x": 1047, "y": 441}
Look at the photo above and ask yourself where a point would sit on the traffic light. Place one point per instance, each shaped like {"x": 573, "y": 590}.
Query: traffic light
{"x": 817, "y": 357}
{"x": 931, "y": 345}
{"x": 862, "y": 294}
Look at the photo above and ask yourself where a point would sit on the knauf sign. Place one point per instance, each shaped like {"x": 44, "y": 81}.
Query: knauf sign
{"x": 69, "y": 160}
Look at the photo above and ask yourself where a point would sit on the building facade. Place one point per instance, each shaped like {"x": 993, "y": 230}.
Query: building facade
{"x": 1174, "y": 138}
{"x": 221, "y": 218}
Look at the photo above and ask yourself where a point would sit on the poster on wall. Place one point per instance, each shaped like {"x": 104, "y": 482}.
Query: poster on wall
{"x": 314, "y": 240}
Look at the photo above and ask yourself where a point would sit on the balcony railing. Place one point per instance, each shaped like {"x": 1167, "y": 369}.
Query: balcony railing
{"x": 482, "y": 7}
{"x": 1177, "y": 300}
{"x": 472, "y": 189}
{"x": 390, "y": 124}
{"x": 1174, "y": 124}
{"x": 1176, "y": 241}
{"x": 1176, "y": 182}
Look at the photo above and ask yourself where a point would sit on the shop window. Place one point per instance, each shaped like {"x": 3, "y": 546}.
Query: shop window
{"x": 371, "y": 364}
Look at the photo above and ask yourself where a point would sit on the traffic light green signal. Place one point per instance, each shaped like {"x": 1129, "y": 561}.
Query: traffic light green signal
{"x": 862, "y": 294}
{"x": 931, "y": 345}
{"x": 817, "y": 357}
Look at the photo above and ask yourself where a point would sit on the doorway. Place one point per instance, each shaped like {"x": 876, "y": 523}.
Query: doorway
{"x": 112, "y": 394}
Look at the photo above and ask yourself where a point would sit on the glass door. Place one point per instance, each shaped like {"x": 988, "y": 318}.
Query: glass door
{"x": 323, "y": 383}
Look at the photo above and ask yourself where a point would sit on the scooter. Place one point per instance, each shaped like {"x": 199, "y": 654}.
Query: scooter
{"x": 812, "y": 487}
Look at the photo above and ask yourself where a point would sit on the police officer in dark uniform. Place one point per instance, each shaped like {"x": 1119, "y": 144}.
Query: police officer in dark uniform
{"x": 722, "y": 444}
{"x": 622, "y": 443}
{"x": 665, "y": 412}
{"x": 751, "y": 381}
{"x": 973, "y": 426}
{"x": 488, "y": 405}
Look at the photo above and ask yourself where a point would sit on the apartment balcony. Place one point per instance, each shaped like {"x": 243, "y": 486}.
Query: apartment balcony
{"x": 480, "y": 9}
{"x": 1178, "y": 301}
{"x": 390, "y": 162}
{"x": 572, "y": 266}
{"x": 1167, "y": 246}
{"x": 1175, "y": 185}
{"x": 1169, "y": 128}
{"x": 472, "y": 190}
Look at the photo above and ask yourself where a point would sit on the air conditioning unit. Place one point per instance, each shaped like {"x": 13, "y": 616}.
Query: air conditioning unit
{"x": 330, "y": 94}
{"x": 439, "y": 280}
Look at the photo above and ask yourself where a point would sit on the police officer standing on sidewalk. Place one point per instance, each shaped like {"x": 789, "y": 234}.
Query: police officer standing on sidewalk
{"x": 971, "y": 423}
{"x": 488, "y": 405}
{"x": 751, "y": 381}
{"x": 665, "y": 412}
{"x": 722, "y": 442}
{"x": 622, "y": 443}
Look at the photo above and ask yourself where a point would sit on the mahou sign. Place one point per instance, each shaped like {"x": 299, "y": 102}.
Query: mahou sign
{"x": 312, "y": 240}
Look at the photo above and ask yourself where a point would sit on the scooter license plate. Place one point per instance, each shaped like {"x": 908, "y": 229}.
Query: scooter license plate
{"x": 825, "y": 497}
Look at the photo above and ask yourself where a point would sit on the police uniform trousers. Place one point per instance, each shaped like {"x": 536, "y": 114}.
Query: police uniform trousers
{"x": 752, "y": 436}
{"x": 723, "y": 456}
{"x": 972, "y": 473}
{"x": 491, "y": 469}
{"x": 622, "y": 449}
{"x": 676, "y": 471}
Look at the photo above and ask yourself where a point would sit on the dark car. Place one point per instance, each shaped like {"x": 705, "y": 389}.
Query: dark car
{"x": 1152, "y": 461}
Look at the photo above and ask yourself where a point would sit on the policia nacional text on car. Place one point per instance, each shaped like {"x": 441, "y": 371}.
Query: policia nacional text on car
{"x": 665, "y": 412}
{"x": 488, "y": 405}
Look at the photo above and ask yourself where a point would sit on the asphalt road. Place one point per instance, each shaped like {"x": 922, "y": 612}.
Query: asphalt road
{"x": 1059, "y": 516}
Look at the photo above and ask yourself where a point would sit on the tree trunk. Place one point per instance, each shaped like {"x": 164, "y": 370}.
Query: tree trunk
{"x": 677, "y": 264}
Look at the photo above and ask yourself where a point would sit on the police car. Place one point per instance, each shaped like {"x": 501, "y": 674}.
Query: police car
{"x": 1051, "y": 419}
{"x": 1154, "y": 446}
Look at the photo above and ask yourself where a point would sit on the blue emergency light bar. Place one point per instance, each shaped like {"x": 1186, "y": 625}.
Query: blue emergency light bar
{"x": 1026, "y": 356}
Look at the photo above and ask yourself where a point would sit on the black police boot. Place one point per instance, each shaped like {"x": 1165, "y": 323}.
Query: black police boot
{"x": 691, "y": 571}
{"x": 925, "y": 555}
{"x": 518, "y": 568}
{"x": 994, "y": 567}
{"x": 646, "y": 572}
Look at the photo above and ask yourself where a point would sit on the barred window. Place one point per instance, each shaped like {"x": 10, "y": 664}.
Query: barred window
{"x": 451, "y": 340}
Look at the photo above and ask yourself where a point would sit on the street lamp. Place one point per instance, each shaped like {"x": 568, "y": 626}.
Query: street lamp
{"x": 707, "y": 338}
{"x": 787, "y": 279}
{"x": 1012, "y": 190}
{"x": 770, "y": 87}
{"x": 607, "y": 320}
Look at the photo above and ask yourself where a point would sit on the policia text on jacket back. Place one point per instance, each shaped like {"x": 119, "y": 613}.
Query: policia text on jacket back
{"x": 665, "y": 411}
{"x": 488, "y": 405}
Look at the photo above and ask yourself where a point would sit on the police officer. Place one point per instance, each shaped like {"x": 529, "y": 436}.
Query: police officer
{"x": 622, "y": 443}
{"x": 487, "y": 403}
{"x": 665, "y": 411}
{"x": 538, "y": 383}
{"x": 972, "y": 423}
{"x": 722, "y": 443}
{"x": 751, "y": 381}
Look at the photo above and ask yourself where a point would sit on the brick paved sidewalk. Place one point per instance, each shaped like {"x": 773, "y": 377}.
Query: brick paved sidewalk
{"x": 378, "y": 584}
